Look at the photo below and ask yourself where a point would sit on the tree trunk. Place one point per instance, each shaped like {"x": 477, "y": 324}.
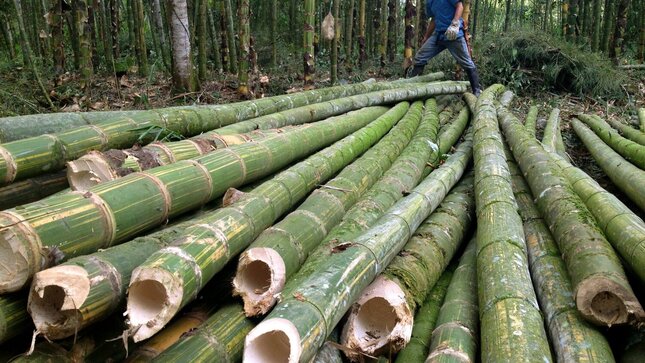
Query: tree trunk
{"x": 308, "y": 55}
{"x": 384, "y": 32}
{"x": 56, "y": 19}
{"x": 597, "y": 22}
{"x": 618, "y": 46}
{"x": 140, "y": 37}
{"x": 182, "y": 67}
{"x": 410, "y": 15}
{"x": 422, "y": 22}
{"x": 573, "y": 30}
{"x": 215, "y": 41}
{"x": 349, "y": 25}
{"x": 393, "y": 9}
{"x": 507, "y": 15}
{"x": 202, "y": 33}
{"x": 230, "y": 36}
{"x": 115, "y": 28}
{"x": 160, "y": 32}
{"x": 274, "y": 33}
{"x": 91, "y": 28}
{"x": 335, "y": 42}
{"x": 546, "y": 24}
{"x": 362, "y": 17}
{"x": 244, "y": 39}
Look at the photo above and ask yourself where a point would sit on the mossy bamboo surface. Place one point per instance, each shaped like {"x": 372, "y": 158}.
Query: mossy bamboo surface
{"x": 600, "y": 288}
{"x": 31, "y": 190}
{"x": 623, "y": 228}
{"x": 74, "y": 223}
{"x": 509, "y": 313}
{"x": 627, "y": 177}
{"x": 219, "y": 339}
{"x": 506, "y": 98}
{"x": 630, "y": 150}
{"x": 531, "y": 120}
{"x": 573, "y": 339}
{"x": 631, "y": 133}
{"x": 414, "y": 271}
{"x": 290, "y": 241}
{"x": 425, "y": 321}
{"x": 456, "y": 335}
{"x": 641, "y": 118}
{"x": 311, "y": 307}
{"x": 552, "y": 137}
{"x": 47, "y": 153}
{"x": 14, "y": 319}
{"x": 193, "y": 260}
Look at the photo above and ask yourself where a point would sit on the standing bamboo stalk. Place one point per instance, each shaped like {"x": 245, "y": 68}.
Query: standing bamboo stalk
{"x": 362, "y": 41}
{"x": 335, "y": 43}
{"x": 230, "y": 35}
{"x": 244, "y": 35}
{"x": 410, "y": 16}
{"x": 308, "y": 41}
{"x": 601, "y": 290}
{"x": 312, "y": 307}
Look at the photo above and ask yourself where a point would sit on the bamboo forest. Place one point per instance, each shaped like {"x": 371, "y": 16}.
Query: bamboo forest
{"x": 322, "y": 181}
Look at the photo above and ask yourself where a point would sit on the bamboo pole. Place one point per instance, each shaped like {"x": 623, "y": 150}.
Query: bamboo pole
{"x": 74, "y": 223}
{"x": 641, "y": 118}
{"x": 572, "y": 338}
{"x": 456, "y": 336}
{"x": 630, "y": 150}
{"x": 601, "y": 290}
{"x": 552, "y": 138}
{"x": 14, "y": 319}
{"x": 281, "y": 249}
{"x": 409, "y": 277}
{"x": 31, "y": 190}
{"x": 507, "y": 98}
{"x": 29, "y": 157}
{"x": 627, "y": 131}
{"x": 425, "y": 320}
{"x": 627, "y": 177}
{"x": 311, "y": 307}
{"x": 531, "y": 120}
{"x": 174, "y": 275}
{"x": 511, "y": 323}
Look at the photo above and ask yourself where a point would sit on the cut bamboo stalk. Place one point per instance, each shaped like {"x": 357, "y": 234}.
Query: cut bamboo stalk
{"x": 14, "y": 319}
{"x": 44, "y": 233}
{"x": 641, "y": 118}
{"x": 627, "y": 131}
{"x": 507, "y": 98}
{"x": 601, "y": 290}
{"x": 627, "y": 177}
{"x": 623, "y": 228}
{"x": 630, "y": 150}
{"x": 409, "y": 277}
{"x": 311, "y": 307}
{"x": 425, "y": 320}
{"x": 48, "y": 153}
{"x": 508, "y": 309}
{"x": 173, "y": 276}
{"x": 31, "y": 190}
{"x": 281, "y": 249}
{"x": 573, "y": 339}
{"x": 531, "y": 120}
{"x": 456, "y": 336}
{"x": 552, "y": 137}
{"x": 329, "y": 353}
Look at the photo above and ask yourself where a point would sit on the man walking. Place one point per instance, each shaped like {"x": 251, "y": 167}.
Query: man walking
{"x": 446, "y": 31}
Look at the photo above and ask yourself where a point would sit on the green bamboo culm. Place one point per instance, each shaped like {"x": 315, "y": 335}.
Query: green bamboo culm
{"x": 507, "y": 98}
{"x": 411, "y": 275}
{"x": 47, "y": 153}
{"x": 630, "y": 150}
{"x": 509, "y": 312}
{"x": 600, "y": 288}
{"x": 456, "y": 335}
{"x": 627, "y": 177}
{"x": 14, "y": 319}
{"x": 641, "y": 118}
{"x": 283, "y": 248}
{"x": 74, "y": 223}
{"x": 31, "y": 190}
{"x": 552, "y": 138}
{"x": 627, "y": 131}
{"x": 311, "y": 307}
{"x": 425, "y": 321}
{"x": 531, "y": 119}
{"x": 573, "y": 338}
{"x": 624, "y": 229}
{"x": 181, "y": 270}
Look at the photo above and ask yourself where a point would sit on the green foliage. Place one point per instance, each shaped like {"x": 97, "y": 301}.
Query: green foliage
{"x": 531, "y": 61}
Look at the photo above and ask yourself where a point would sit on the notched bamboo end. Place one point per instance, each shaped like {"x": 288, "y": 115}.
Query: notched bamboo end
{"x": 19, "y": 254}
{"x": 273, "y": 341}
{"x": 260, "y": 277}
{"x": 154, "y": 297}
{"x": 55, "y": 297}
{"x": 88, "y": 171}
{"x": 605, "y": 302}
{"x": 380, "y": 322}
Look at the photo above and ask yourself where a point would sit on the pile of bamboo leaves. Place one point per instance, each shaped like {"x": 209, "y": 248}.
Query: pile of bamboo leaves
{"x": 404, "y": 221}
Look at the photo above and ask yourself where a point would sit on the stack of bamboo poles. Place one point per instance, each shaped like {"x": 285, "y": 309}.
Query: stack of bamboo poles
{"x": 396, "y": 222}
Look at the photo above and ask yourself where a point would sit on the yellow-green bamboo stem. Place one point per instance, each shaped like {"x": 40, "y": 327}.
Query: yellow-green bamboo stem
{"x": 531, "y": 120}
{"x": 641, "y": 118}
{"x": 31, "y": 190}
{"x": 507, "y": 98}
{"x": 627, "y": 131}
{"x": 552, "y": 137}
{"x": 14, "y": 319}
{"x": 630, "y": 150}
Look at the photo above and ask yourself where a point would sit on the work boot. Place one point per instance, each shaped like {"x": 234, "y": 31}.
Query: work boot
{"x": 414, "y": 71}
{"x": 473, "y": 77}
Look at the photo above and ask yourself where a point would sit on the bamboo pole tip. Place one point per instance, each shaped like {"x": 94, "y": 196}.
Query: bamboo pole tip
{"x": 154, "y": 297}
{"x": 88, "y": 171}
{"x": 379, "y": 322}
{"x": 605, "y": 302}
{"x": 273, "y": 340}
{"x": 20, "y": 255}
{"x": 55, "y": 298}
{"x": 259, "y": 279}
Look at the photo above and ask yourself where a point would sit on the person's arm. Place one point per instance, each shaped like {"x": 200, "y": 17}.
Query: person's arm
{"x": 459, "y": 10}
{"x": 429, "y": 30}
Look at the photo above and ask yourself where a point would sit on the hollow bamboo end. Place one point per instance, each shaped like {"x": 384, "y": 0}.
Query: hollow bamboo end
{"x": 88, "y": 171}
{"x": 260, "y": 277}
{"x": 380, "y": 322}
{"x": 273, "y": 341}
{"x": 154, "y": 297}
{"x": 19, "y": 256}
{"x": 55, "y": 297}
{"x": 605, "y": 302}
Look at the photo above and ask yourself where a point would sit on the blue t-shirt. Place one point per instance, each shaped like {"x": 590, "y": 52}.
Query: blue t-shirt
{"x": 443, "y": 11}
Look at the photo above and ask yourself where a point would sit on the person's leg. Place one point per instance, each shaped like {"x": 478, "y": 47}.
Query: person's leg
{"x": 459, "y": 50}
{"x": 428, "y": 50}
